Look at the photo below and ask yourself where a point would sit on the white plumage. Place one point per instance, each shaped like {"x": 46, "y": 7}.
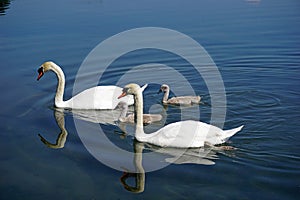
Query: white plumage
{"x": 99, "y": 97}
{"x": 183, "y": 134}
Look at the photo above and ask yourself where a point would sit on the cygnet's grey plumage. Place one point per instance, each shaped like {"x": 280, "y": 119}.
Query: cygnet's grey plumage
{"x": 129, "y": 118}
{"x": 182, "y": 100}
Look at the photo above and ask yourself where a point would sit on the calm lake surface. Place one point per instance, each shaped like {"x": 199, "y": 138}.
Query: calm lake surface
{"x": 255, "y": 46}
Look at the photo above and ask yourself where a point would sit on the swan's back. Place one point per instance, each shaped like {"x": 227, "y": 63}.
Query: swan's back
{"x": 178, "y": 134}
{"x": 184, "y": 100}
{"x": 99, "y": 97}
{"x": 150, "y": 118}
{"x": 188, "y": 133}
{"x": 147, "y": 118}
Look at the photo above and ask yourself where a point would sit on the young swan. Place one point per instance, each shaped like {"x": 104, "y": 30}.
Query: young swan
{"x": 182, "y": 100}
{"x": 183, "y": 134}
{"x": 99, "y": 97}
{"x": 129, "y": 118}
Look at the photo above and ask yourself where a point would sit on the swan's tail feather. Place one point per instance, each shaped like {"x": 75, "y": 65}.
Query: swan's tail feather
{"x": 228, "y": 133}
{"x": 144, "y": 87}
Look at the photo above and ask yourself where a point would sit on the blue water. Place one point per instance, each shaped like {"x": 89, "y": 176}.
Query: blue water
{"x": 255, "y": 46}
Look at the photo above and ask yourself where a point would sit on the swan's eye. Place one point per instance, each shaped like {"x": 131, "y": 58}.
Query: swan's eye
{"x": 125, "y": 90}
{"x": 40, "y": 70}
{"x": 124, "y": 93}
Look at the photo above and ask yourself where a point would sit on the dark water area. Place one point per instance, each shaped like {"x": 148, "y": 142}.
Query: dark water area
{"x": 255, "y": 46}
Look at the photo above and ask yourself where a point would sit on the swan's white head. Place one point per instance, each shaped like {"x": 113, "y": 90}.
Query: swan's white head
{"x": 131, "y": 88}
{"x": 164, "y": 88}
{"x": 44, "y": 68}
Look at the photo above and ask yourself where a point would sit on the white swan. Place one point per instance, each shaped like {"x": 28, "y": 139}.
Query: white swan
{"x": 99, "y": 97}
{"x": 129, "y": 118}
{"x": 183, "y": 134}
{"x": 182, "y": 100}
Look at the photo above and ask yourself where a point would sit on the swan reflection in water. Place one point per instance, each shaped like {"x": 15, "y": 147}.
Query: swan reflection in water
{"x": 62, "y": 136}
{"x": 106, "y": 117}
{"x": 139, "y": 173}
{"x": 204, "y": 156}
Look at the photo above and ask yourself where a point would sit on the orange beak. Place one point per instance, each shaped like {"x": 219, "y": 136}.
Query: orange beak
{"x": 122, "y": 95}
{"x": 41, "y": 73}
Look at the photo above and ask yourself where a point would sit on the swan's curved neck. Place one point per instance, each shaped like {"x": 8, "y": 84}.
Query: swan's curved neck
{"x": 60, "y": 86}
{"x": 166, "y": 96}
{"x": 138, "y": 116}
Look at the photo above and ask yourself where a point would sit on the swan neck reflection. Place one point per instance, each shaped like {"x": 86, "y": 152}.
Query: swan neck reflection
{"x": 140, "y": 172}
{"x": 62, "y": 136}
